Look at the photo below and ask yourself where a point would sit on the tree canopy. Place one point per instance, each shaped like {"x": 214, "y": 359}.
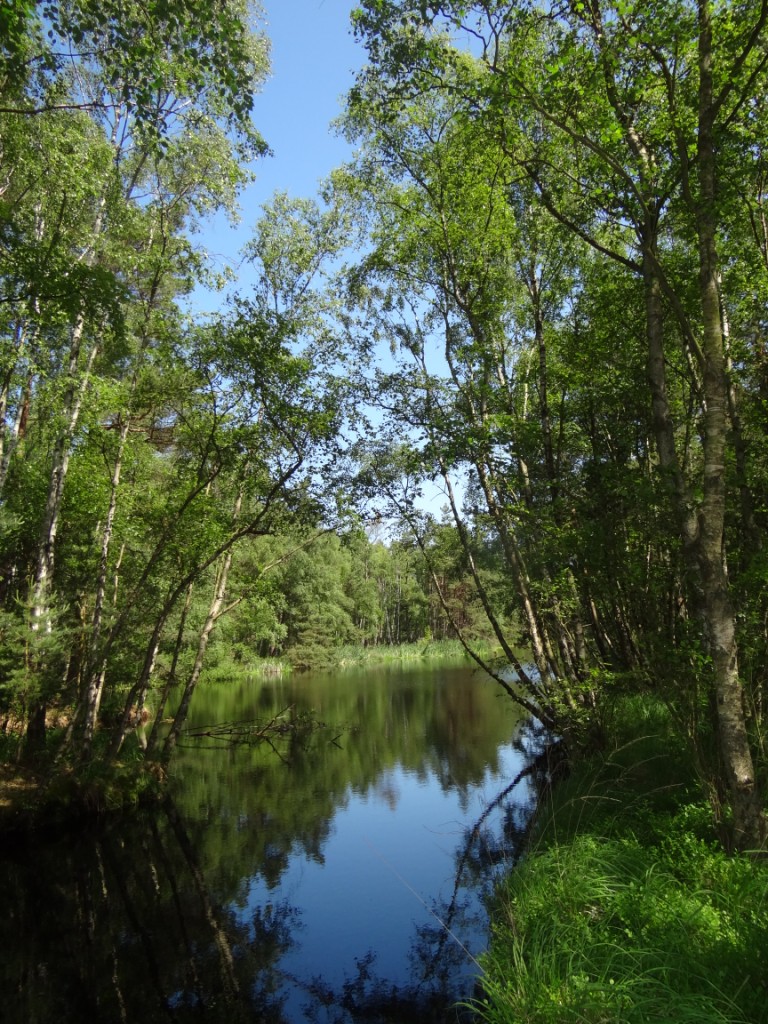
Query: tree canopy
{"x": 538, "y": 290}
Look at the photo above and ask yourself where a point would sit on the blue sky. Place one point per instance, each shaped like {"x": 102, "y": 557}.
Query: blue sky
{"x": 314, "y": 58}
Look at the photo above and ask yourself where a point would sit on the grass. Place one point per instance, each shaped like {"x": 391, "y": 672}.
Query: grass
{"x": 626, "y": 909}
{"x": 260, "y": 668}
{"x": 358, "y": 656}
{"x": 324, "y": 659}
{"x": 429, "y": 650}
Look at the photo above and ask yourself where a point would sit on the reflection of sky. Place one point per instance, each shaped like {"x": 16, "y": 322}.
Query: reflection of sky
{"x": 389, "y": 856}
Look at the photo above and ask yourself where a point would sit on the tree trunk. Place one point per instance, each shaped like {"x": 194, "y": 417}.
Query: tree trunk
{"x": 482, "y": 593}
{"x": 95, "y": 674}
{"x": 749, "y": 524}
{"x": 202, "y": 645}
{"x": 544, "y": 415}
{"x": 541, "y": 647}
{"x": 73, "y": 402}
{"x": 159, "y": 711}
{"x": 749, "y": 821}
{"x": 41, "y": 597}
{"x": 140, "y": 688}
{"x": 9, "y": 436}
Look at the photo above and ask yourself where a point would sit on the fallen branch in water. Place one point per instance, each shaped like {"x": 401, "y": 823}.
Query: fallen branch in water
{"x": 250, "y": 731}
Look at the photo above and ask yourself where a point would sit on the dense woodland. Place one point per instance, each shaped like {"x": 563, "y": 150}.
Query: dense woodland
{"x": 539, "y": 289}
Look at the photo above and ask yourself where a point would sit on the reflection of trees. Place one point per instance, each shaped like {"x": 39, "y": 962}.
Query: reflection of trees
{"x": 438, "y": 951}
{"x": 153, "y": 919}
{"x": 446, "y": 722}
{"x": 368, "y": 999}
{"x": 440, "y": 961}
{"x": 122, "y": 926}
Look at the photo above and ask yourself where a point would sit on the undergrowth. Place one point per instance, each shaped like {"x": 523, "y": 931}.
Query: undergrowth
{"x": 318, "y": 658}
{"x": 626, "y": 908}
{"x": 226, "y": 669}
{"x": 353, "y": 654}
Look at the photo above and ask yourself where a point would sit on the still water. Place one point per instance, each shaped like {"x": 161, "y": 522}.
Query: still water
{"x": 328, "y": 875}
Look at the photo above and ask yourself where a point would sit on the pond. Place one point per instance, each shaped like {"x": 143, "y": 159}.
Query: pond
{"x": 332, "y": 874}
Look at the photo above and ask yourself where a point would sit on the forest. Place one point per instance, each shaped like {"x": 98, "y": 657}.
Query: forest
{"x": 538, "y": 289}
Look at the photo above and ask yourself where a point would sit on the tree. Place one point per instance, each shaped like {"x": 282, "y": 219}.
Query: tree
{"x": 117, "y": 137}
{"x": 619, "y": 117}
{"x": 464, "y": 281}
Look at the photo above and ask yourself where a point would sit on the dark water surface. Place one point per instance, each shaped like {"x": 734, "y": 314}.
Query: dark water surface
{"x": 333, "y": 875}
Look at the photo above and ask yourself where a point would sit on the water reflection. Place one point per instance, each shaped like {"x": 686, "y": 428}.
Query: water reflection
{"x": 122, "y": 925}
{"x": 336, "y": 878}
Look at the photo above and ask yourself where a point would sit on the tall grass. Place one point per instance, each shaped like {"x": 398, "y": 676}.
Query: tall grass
{"x": 259, "y": 668}
{"x": 429, "y": 650}
{"x": 323, "y": 659}
{"x": 626, "y": 909}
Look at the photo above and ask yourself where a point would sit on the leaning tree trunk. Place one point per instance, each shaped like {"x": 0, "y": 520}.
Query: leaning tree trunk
{"x": 570, "y": 634}
{"x": 202, "y": 645}
{"x": 212, "y": 617}
{"x": 541, "y": 646}
{"x": 159, "y": 710}
{"x": 78, "y": 381}
{"x": 95, "y": 674}
{"x": 40, "y": 601}
{"x": 139, "y": 690}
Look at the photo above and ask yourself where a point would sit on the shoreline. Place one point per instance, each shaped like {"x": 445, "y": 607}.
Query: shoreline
{"x": 624, "y": 905}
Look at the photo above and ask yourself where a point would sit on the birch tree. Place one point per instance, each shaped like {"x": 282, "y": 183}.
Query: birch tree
{"x": 620, "y": 115}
